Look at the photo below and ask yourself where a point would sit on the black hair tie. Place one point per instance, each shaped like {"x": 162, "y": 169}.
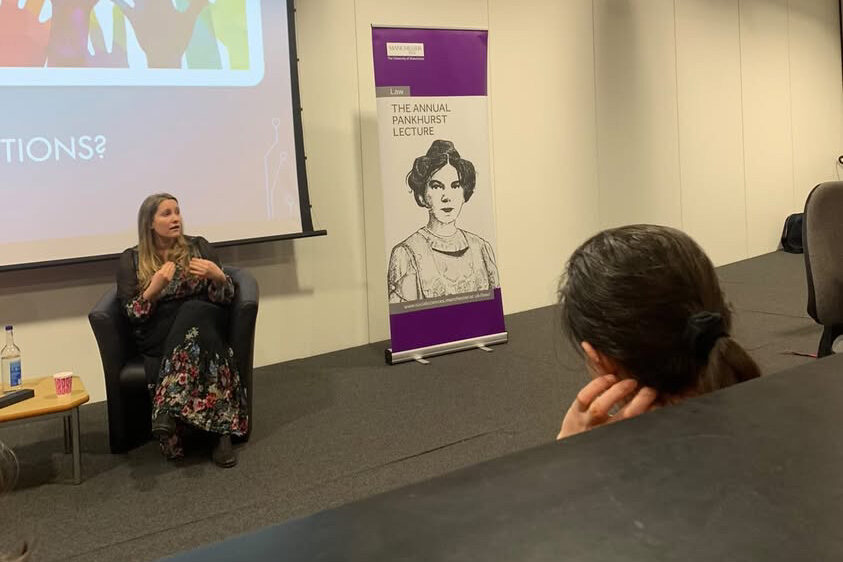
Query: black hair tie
{"x": 702, "y": 331}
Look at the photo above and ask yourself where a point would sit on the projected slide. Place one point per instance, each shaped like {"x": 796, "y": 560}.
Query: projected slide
{"x": 122, "y": 42}
{"x": 107, "y": 101}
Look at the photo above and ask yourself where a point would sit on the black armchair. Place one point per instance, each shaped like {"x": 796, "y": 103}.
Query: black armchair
{"x": 822, "y": 241}
{"x": 129, "y": 407}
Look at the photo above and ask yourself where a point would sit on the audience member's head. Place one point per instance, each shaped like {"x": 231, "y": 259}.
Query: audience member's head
{"x": 644, "y": 302}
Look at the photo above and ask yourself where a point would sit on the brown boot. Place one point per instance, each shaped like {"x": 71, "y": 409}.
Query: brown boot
{"x": 163, "y": 426}
{"x": 223, "y": 453}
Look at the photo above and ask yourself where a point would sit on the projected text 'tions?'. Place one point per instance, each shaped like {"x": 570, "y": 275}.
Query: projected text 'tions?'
{"x": 52, "y": 149}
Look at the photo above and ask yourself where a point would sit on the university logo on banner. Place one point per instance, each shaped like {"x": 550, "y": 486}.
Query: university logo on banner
{"x": 442, "y": 276}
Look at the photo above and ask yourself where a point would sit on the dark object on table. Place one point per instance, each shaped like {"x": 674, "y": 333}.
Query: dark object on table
{"x": 14, "y": 396}
{"x": 129, "y": 407}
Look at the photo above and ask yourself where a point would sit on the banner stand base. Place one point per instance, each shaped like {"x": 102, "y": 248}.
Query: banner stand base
{"x": 419, "y": 354}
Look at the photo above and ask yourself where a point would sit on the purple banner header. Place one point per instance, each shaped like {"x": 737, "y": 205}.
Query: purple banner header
{"x": 432, "y": 62}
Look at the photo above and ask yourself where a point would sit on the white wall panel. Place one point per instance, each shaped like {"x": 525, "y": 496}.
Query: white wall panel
{"x": 710, "y": 126}
{"x": 768, "y": 139}
{"x": 817, "y": 94}
{"x": 544, "y": 142}
{"x": 637, "y": 132}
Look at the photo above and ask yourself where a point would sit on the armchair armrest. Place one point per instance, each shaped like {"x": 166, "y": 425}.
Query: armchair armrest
{"x": 241, "y": 336}
{"x": 244, "y": 307}
{"x": 113, "y": 335}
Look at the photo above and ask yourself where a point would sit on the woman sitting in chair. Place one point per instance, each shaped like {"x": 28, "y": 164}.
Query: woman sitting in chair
{"x": 175, "y": 293}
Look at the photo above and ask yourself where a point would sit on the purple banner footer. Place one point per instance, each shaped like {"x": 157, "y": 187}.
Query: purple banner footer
{"x": 433, "y": 326}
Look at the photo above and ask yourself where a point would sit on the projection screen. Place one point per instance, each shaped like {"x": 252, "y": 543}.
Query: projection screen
{"x": 106, "y": 101}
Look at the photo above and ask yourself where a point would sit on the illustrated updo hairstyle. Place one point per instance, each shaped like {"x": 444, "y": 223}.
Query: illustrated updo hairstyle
{"x": 440, "y": 153}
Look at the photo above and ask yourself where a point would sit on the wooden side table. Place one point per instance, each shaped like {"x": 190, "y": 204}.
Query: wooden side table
{"x": 46, "y": 404}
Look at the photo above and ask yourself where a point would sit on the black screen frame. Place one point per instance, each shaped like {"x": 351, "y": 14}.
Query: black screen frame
{"x": 301, "y": 169}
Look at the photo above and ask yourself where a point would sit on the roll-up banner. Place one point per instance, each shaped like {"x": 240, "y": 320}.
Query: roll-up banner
{"x": 433, "y": 127}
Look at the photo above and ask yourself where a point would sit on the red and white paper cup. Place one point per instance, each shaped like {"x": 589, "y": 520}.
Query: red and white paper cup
{"x": 64, "y": 383}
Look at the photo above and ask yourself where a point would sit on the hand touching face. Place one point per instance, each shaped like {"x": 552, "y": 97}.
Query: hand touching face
{"x": 596, "y": 401}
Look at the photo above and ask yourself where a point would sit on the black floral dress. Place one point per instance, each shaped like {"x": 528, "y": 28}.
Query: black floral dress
{"x": 190, "y": 369}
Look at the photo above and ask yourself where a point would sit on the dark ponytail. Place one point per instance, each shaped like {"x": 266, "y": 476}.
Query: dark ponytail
{"x": 728, "y": 363}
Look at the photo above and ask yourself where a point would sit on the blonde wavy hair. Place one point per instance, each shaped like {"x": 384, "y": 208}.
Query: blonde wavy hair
{"x": 148, "y": 259}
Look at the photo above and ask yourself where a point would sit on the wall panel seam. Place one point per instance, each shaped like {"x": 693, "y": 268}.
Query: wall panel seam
{"x": 678, "y": 116}
{"x": 743, "y": 130}
{"x": 490, "y": 114}
{"x": 790, "y": 105}
{"x": 362, "y": 173}
{"x": 600, "y": 222}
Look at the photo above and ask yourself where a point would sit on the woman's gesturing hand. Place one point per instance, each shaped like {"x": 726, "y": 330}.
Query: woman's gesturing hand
{"x": 595, "y": 400}
{"x": 206, "y": 269}
{"x": 160, "y": 280}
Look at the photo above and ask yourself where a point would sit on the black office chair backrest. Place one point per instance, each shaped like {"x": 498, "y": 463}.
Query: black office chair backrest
{"x": 822, "y": 237}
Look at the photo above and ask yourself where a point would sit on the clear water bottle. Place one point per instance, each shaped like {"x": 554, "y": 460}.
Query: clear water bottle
{"x": 10, "y": 362}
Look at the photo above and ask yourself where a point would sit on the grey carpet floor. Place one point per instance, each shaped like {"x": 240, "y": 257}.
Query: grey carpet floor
{"x": 343, "y": 426}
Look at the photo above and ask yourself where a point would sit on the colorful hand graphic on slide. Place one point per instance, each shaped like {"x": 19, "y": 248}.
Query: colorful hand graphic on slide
{"x": 68, "y": 46}
{"x": 23, "y": 39}
{"x": 162, "y": 31}
{"x": 232, "y": 30}
{"x": 203, "y": 50}
{"x": 101, "y": 58}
